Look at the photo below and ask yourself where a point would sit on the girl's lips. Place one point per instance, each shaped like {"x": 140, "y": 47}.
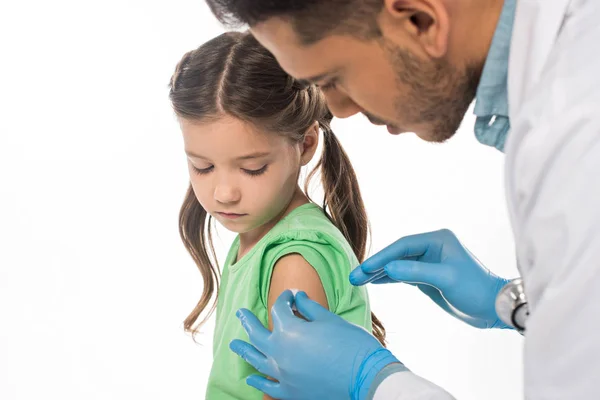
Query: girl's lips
{"x": 230, "y": 215}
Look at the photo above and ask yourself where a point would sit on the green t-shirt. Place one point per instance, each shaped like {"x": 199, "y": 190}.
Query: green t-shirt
{"x": 245, "y": 283}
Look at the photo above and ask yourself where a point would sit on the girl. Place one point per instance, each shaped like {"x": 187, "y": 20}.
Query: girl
{"x": 248, "y": 128}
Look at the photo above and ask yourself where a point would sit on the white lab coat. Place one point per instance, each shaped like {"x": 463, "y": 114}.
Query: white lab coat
{"x": 553, "y": 193}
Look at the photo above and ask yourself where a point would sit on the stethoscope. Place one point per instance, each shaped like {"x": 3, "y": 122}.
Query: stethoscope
{"x": 511, "y": 305}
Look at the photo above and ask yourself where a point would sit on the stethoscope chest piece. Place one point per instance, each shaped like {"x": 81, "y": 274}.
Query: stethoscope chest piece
{"x": 511, "y": 305}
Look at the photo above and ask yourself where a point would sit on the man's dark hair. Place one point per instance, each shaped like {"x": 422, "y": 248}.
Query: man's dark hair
{"x": 312, "y": 20}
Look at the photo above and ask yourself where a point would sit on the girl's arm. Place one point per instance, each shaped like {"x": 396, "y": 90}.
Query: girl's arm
{"x": 294, "y": 272}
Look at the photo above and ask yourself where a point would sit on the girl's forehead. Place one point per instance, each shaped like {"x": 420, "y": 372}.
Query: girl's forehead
{"x": 228, "y": 137}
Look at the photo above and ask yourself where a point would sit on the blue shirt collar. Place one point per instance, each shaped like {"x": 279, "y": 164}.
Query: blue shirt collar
{"x": 491, "y": 105}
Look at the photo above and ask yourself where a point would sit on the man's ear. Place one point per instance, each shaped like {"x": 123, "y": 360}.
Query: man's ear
{"x": 310, "y": 143}
{"x": 417, "y": 23}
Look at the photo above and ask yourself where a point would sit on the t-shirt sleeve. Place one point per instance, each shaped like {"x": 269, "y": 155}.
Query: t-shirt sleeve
{"x": 319, "y": 256}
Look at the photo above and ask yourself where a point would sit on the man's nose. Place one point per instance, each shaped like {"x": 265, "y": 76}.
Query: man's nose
{"x": 340, "y": 104}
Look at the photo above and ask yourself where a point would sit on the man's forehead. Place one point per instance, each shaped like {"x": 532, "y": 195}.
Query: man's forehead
{"x": 275, "y": 31}
{"x": 298, "y": 60}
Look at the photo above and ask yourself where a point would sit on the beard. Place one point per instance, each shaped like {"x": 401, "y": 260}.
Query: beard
{"x": 439, "y": 94}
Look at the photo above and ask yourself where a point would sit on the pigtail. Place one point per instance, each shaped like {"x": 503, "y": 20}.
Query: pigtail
{"x": 196, "y": 233}
{"x": 194, "y": 222}
{"x": 343, "y": 202}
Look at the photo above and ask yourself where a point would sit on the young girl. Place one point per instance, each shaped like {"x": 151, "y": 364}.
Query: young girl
{"x": 248, "y": 129}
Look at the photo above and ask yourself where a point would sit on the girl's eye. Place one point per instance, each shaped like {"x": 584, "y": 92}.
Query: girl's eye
{"x": 203, "y": 171}
{"x": 255, "y": 172}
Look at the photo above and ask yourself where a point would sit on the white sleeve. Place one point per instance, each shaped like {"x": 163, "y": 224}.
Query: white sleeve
{"x": 404, "y": 385}
{"x": 553, "y": 186}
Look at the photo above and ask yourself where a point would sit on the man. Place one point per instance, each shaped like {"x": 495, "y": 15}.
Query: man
{"x": 416, "y": 65}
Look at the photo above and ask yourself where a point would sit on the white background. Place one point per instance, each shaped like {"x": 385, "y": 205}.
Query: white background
{"x": 94, "y": 283}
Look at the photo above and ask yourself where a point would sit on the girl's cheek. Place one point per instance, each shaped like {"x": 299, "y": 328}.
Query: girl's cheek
{"x": 201, "y": 194}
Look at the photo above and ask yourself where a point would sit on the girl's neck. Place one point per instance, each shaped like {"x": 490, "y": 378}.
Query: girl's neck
{"x": 249, "y": 239}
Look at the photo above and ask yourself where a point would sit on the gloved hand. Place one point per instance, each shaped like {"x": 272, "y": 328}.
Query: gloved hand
{"x": 442, "y": 268}
{"x": 322, "y": 358}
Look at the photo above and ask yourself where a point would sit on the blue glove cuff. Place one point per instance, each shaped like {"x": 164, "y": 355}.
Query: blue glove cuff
{"x": 368, "y": 370}
{"x": 391, "y": 369}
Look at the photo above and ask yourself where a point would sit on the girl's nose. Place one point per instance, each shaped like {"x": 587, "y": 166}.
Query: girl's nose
{"x": 226, "y": 193}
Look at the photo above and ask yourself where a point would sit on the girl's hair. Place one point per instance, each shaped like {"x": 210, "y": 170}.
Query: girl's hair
{"x": 234, "y": 75}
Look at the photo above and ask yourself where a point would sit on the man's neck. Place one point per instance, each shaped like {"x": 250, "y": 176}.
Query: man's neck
{"x": 474, "y": 25}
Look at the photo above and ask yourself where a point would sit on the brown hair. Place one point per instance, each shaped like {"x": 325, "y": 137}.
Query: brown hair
{"x": 312, "y": 20}
{"x": 234, "y": 75}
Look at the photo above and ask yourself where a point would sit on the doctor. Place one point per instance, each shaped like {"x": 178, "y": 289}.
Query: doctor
{"x": 533, "y": 68}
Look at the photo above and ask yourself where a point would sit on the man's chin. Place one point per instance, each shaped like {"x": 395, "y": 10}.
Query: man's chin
{"x": 394, "y": 130}
{"x": 434, "y": 132}
{"x": 434, "y": 136}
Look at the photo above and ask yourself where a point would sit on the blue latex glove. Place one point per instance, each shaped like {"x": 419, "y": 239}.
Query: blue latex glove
{"x": 322, "y": 358}
{"x": 442, "y": 268}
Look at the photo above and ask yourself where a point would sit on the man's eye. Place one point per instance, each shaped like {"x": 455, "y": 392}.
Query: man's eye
{"x": 328, "y": 86}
